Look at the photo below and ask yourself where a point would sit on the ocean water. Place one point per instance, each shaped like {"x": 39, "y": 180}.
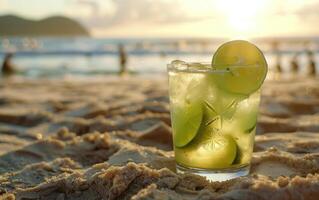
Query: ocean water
{"x": 59, "y": 57}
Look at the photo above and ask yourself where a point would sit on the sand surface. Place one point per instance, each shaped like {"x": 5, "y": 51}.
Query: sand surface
{"x": 111, "y": 139}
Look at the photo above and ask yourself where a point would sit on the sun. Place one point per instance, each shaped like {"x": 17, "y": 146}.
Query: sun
{"x": 242, "y": 16}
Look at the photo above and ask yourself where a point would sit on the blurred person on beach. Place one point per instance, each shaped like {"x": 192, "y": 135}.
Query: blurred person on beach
{"x": 311, "y": 68}
{"x": 122, "y": 60}
{"x": 162, "y": 54}
{"x": 278, "y": 63}
{"x": 278, "y": 57}
{"x": 7, "y": 66}
{"x": 294, "y": 66}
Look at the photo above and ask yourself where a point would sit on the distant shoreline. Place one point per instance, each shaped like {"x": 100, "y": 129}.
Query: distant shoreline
{"x": 12, "y": 25}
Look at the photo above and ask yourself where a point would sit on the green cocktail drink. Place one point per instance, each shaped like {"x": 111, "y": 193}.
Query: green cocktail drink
{"x": 214, "y": 110}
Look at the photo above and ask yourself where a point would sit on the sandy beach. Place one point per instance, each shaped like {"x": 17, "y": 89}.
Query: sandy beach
{"x": 111, "y": 139}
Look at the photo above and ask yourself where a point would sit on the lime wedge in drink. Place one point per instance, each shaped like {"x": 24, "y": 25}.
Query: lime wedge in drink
{"x": 187, "y": 109}
{"x": 217, "y": 151}
{"x": 244, "y": 148}
{"x": 245, "y": 64}
{"x": 186, "y": 122}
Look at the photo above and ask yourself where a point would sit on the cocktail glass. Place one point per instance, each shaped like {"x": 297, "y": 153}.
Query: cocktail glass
{"x": 213, "y": 128}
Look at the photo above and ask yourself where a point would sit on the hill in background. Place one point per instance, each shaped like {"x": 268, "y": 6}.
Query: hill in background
{"x": 11, "y": 25}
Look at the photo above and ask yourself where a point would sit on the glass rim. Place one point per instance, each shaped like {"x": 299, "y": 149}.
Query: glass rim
{"x": 202, "y": 67}
{"x": 194, "y": 67}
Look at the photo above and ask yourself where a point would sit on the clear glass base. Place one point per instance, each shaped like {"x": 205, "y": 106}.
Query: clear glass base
{"x": 215, "y": 175}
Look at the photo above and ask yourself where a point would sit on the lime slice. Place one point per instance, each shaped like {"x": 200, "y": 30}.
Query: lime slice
{"x": 249, "y": 130}
{"x": 246, "y": 121}
{"x": 246, "y": 66}
{"x": 186, "y": 120}
{"x": 245, "y": 145}
{"x": 245, "y": 117}
{"x": 209, "y": 152}
{"x": 215, "y": 151}
{"x": 243, "y": 157}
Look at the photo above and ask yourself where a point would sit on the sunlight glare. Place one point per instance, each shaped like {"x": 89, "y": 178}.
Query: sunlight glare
{"x": 242, "y": 16}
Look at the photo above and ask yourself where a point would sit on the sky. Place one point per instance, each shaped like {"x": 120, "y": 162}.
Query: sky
{"x": 179, "y": 18}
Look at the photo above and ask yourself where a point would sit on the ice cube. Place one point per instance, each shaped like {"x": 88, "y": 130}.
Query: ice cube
{"x": 179, "y": 64}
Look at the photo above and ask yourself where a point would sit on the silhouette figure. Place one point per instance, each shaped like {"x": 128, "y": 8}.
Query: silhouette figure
{"x": 294, "y": 66}
{"x": 162, "y": 54}
{"x": 7, "y": 66}
{"x": 122, "y": 60}
{"x": 278, "y": 67}
{"x": 311, "y": 71}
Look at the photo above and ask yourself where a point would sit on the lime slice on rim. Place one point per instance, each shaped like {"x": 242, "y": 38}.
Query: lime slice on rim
{"x": 246, "y": 66}
{"x": 186, "y": 121}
